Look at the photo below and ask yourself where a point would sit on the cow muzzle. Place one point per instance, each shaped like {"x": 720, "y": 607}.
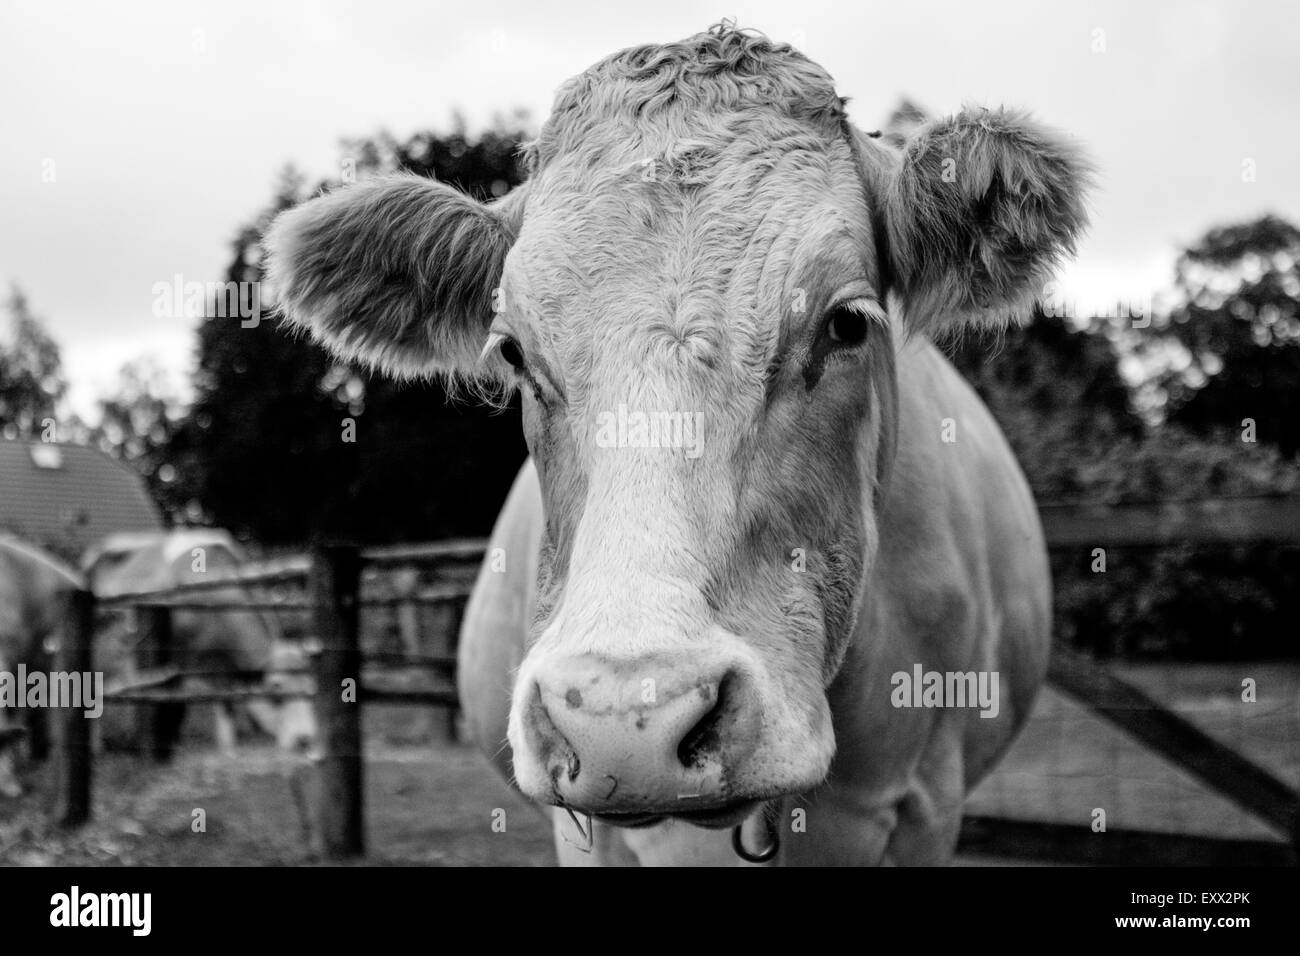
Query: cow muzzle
{"x": 635, "y": 740}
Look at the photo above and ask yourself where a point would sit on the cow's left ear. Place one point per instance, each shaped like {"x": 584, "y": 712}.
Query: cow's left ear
{"x": 980, "y": 209}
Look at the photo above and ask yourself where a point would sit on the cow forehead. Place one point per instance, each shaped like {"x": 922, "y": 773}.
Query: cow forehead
{"x": 679, "y": 192}
{"x": 695, "y": 245}
{"x": 690, "y": 201}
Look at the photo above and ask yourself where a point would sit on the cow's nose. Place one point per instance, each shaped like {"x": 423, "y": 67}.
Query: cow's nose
{"x": 639, "y": 736}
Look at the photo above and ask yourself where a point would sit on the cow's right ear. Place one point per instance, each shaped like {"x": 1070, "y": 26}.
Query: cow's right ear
{"x": 978, "y": 212}
{"x": 397, "y": 272}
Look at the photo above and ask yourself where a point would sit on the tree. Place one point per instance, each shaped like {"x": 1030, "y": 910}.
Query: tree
{"x": 284, "y": 443}
{"x": 31, "y": 373}
{"x": 1070, "y": 415}
{"x": 1238, "y": 319}
{"x": 1057, "y": 392}
{"x": 137, "y": 424}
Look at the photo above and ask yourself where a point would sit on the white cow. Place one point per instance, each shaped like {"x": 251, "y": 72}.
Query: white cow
{"x": 772, "y": 560}
{"x": 247, "y": 641}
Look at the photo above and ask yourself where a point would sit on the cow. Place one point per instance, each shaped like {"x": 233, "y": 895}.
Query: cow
{"x": 249, "y": 644}
{"x": 758, "y": 500}
{"x": 35, "y": 590}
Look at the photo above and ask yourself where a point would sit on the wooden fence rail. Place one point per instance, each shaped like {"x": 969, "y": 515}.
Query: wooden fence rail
{"x": 1213, "y": 521}
{"x": 1056, "y": 843}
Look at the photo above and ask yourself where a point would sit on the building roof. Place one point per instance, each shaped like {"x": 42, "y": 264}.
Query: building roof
{"x": 64, "y": 497}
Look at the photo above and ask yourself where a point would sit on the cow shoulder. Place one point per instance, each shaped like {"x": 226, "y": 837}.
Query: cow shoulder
{"x": 495, "y": 626}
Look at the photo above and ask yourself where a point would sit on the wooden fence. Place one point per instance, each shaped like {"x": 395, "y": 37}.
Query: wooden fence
{"x": 1215, "y": 522}
{"x": 330, "y": 584}
{"x": 333, "y": 595}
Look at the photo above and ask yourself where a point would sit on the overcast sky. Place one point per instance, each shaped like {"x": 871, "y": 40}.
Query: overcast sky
{"x": 163, "y": 123}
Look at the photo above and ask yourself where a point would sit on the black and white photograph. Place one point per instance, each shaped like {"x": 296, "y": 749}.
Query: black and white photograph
{"x": 532, "y": 434}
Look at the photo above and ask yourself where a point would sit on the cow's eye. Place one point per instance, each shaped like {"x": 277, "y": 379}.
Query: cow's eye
{"x": 847, "y": 325}
{"x": 507, "y": 348}
{"x": 512, "y": 354}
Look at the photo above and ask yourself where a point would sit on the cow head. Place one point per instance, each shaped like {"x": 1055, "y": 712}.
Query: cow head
{"x": 698, "y": 295}
{"x": 288, "y": 715}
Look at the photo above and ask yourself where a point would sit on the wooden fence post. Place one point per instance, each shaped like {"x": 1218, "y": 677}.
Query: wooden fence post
{"x": 335, "y": 593}
{"x": 158, "y": 725}
{"x": 75, "y": 766}
{"x": 411, "y": 618}
{"x": 449, "y": 641}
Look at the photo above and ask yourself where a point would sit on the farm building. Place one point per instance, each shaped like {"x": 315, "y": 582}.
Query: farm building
{"x": 65, "y": 497}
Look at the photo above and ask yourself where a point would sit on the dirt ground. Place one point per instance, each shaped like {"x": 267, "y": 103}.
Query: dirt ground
{"x": 433, "y": 803}
{"x": 428, "y": 806}
{"x": 427, "y": 802}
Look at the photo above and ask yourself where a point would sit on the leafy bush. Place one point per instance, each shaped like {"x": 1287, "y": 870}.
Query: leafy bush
{"x": 1057, "y": 393}
{"x": 1190, "y": 601}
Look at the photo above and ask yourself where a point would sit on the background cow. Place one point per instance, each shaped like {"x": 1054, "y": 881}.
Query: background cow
{"x": 665, "y": 638}
{"x": 210, "y": 641}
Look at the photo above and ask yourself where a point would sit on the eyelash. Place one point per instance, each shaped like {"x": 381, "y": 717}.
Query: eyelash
{"x": 497, "y": 342}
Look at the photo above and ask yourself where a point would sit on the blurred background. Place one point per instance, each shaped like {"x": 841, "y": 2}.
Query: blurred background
{"x": 148, "y": 144}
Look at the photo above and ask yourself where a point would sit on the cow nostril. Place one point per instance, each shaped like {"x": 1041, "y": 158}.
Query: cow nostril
{"x": 704, "y": 741}
{"x": 552, "y": 747}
